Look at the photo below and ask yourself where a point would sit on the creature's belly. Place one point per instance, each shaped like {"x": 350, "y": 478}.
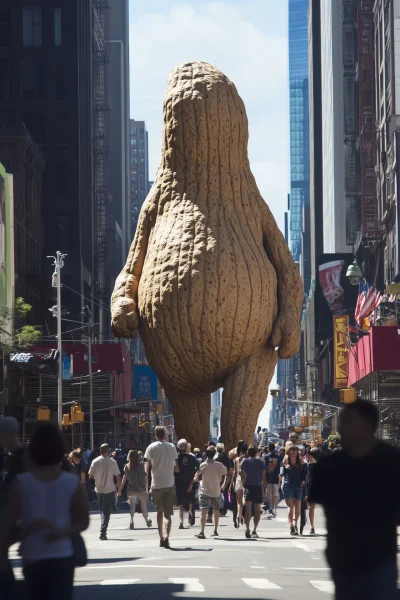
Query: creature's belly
{"x": 205, "y": 302}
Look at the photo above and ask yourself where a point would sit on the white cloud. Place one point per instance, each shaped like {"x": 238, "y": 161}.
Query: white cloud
{"x": 225, "y": 36}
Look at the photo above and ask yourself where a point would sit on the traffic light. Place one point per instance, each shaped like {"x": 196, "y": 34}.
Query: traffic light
{"x": 77, "y": 415}
{"x": 43, "y": 414}
{"x": 348, "y": 395}
{"x": 65, "y": 421}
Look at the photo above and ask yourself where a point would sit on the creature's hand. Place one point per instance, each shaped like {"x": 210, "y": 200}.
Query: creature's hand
{"x": 124, "y": 317}
{"x": 286, "y": 335}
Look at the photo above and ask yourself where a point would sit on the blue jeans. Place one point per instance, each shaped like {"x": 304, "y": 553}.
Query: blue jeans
{"x": 370, "y": 585}
{"x": 106, "y": 502}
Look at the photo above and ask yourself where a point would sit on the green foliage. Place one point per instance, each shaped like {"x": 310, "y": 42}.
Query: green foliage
{"x": 22, "y": 338}
{"x": 334, "y": 437}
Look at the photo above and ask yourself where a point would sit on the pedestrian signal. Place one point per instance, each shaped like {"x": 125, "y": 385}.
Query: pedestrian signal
{"x": 348, "y": 395}
{"x": 43, "y": 414}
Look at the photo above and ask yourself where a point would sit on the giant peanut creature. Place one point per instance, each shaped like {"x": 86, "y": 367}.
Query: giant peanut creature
{"x": 209, "y": 280}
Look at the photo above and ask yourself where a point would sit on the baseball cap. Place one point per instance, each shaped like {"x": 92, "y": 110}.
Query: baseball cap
{"x": 8, "y": 425}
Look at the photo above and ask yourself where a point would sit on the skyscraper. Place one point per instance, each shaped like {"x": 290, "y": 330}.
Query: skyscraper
{"x": 139, "y": 169}
{"x": 299, "y": 137}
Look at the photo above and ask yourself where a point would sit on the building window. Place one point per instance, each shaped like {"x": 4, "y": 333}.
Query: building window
{"x": 142, "y": 160}
{"x": 141, "y": 131}
{"x": 32, "y": 79}
{"x": 5, "y": 28}
{"x": 133, "y": 142}
{"x": 57, "y": 26}
{"x": 4, "y": 79}
{"x": 134, "y": 131}
{"x": 32, "y": 26}
{"x": 60, "y": 88}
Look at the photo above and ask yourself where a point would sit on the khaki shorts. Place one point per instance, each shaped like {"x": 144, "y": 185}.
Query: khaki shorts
{"x": 163, "y": 500}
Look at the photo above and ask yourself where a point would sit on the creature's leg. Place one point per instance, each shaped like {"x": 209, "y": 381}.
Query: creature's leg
{"x": 191, "y": 416}
{"x": 245, "y": 393}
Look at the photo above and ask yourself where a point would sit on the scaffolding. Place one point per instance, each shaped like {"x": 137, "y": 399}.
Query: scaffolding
{"x": 350, "y": 97}
{"x": 370, "y": 224}
{"x": 100, "y": 145}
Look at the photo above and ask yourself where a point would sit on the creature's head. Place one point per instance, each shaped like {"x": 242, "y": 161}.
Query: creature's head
{"x": 203, "y": 114}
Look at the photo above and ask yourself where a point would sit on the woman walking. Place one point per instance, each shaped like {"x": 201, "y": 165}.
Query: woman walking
{"x": 136, "y": 478}
{"x": 51, "y": 507}
{"x": 239, "y": 488}
{"x": 310, "y": 461}
{"x": 292, "y": 477}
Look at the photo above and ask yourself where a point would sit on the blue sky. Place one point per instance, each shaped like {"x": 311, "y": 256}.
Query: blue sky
{"x": 246, "y": 39}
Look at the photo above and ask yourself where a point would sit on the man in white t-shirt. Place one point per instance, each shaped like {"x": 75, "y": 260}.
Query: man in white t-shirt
{"x": 103, "y": 470}
{"x": 211, "y": 473}
{"x": 162, "y": 459}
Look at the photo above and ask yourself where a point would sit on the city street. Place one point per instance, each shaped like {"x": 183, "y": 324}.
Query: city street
{"x": 276, "y": 566}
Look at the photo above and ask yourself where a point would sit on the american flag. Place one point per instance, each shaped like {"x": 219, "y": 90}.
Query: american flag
{"x": 368, "y": 299}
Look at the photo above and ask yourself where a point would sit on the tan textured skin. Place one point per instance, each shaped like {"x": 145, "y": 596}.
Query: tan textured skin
{"x": 209, "y": 279}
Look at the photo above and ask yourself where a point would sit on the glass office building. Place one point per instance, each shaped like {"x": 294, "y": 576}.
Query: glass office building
{"x": 299, "y": 140}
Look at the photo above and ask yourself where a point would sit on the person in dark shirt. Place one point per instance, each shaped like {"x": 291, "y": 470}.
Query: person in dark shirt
{"x": 223, "y": 458}
{"x": 362, "y": 544}
{"x": 273, "y": 464}
{"x": 188, "y": 467}
{"x": 253, "y": 472}
{"x": 293, "y": 480}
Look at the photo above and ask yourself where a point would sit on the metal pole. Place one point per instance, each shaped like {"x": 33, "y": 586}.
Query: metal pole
{"x": 59, "y": 340}
{"x": 90, "y": 384}
{"x": 285, "y": 395}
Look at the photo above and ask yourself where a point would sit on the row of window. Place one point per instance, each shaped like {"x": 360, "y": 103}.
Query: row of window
{"x": 134, "y": 131}
{"x": 34, "y": 79}
{"x": 135, "y": 161}
{"x": 32, "y": 27}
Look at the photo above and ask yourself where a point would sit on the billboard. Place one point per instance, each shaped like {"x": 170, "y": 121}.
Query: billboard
{"x": 333, "y": 292}
{"x": 145, "y": 384}
{"x": 341, "y": 351}
{"x": 7, "y": 277}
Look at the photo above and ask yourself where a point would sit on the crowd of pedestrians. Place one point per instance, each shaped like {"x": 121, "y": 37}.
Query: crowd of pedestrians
{"x": 44, "y": 500}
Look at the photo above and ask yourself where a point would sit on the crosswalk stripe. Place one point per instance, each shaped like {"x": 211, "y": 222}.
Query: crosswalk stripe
{"x": 261, "y": 584}
{"x": 191, "y": 584}
{"x": 324, "y": 586}
{"x": 118, "y": 581}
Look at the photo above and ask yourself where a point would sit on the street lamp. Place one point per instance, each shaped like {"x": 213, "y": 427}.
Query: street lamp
{"x": 354, "y": 273}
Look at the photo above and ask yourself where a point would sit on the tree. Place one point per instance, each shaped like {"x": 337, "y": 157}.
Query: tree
{"x": 21, "y": 338}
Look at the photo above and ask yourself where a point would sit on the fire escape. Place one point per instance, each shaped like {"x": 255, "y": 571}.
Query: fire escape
{"x": 100, "y": 145}
{"x": 352, "y": 175}
{"x": 370, "y": 224}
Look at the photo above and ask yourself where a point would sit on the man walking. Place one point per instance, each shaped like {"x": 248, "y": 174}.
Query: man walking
{"x": 273, "y": 464}
{"x": 252, "y": 473}
{"x": 103, "y": 470}
{"x": 162, "y": 459}
{"x": 211, "y": 473}
{"x": 188, "y": 467}
{"x": 362, "y": 544}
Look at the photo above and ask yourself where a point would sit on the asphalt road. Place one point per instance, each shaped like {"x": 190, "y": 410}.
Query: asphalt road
{"x": 132, "y": 565}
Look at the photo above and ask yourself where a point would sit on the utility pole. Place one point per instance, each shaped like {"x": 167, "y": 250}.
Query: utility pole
{"x": 285, "y": 395}
{"x": 90, "y": 329}
{"x": 56, "y": 283}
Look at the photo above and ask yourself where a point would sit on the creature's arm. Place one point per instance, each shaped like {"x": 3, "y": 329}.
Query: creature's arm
{"x": 287, "y": 330}
{"x": 124, "y": 301}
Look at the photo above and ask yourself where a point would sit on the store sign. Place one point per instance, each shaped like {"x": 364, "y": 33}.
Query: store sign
{"x": 66, "y": 367}
{"x": 145, "y": 385}
{"x": 341, "y": 350}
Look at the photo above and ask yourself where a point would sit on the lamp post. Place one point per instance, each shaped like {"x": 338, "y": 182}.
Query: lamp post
{"x": 56, "y": 283}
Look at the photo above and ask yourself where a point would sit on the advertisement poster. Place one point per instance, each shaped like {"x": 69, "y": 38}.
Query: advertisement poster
{"x": 329, "y": 279}
{"x": 145, "y": 385}
{"x": 66, "y": 368}
{"x": 333, "y": 292}
{"x": 341, "y": 351}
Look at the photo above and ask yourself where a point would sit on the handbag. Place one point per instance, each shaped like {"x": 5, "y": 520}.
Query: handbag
{"x": 79, "y": 550}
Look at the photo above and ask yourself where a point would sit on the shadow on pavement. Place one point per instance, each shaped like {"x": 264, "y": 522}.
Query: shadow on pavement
{"x": 93, "y": 561}
{"x": 154, "y": 591}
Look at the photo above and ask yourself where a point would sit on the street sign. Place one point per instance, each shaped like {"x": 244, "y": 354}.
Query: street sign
{"x": 94, "y": 358}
